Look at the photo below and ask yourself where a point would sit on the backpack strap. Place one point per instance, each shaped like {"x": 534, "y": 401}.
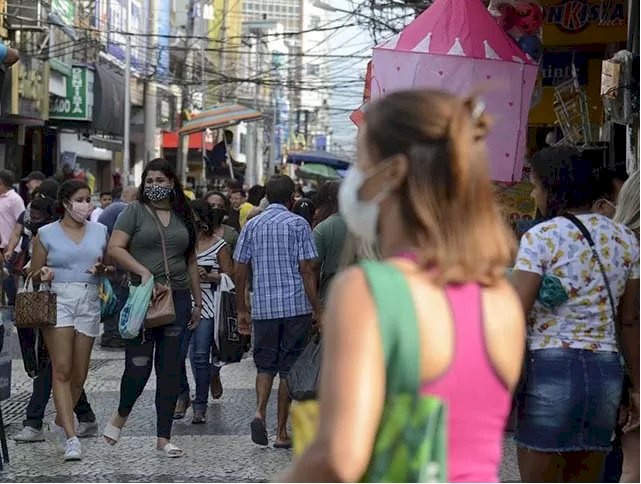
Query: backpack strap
{"x": 398, "y": 326}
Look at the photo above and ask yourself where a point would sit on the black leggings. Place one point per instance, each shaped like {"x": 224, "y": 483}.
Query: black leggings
{"x": 139, "y": 352}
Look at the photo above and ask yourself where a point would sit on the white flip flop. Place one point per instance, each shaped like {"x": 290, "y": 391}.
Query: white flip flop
{"x": 112, "y": 432}
{"x": 171, "y": 451}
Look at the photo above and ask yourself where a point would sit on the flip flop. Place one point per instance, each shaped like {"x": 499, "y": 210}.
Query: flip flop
{"x": 112, "y": 432}
{"x": 170, "y": 451}
{"x": 283, "y": 445}
{"x": 259, "y": 432}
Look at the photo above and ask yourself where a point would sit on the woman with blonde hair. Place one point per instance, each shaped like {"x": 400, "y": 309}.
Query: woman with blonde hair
{"x": 627, "y": 213}
{"x": 437, "y": 301}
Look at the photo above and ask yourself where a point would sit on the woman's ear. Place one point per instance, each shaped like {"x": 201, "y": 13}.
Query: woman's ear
{"x": 397, "y": 172}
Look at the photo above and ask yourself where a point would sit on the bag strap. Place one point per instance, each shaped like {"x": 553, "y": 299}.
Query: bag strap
{"x": 162, "y": 242}
{"x": 586, "y": 235}
{"x": 398, "y": 325}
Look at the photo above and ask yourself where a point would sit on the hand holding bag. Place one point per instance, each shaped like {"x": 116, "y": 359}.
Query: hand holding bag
{"x": 35, "y": 309}
{"x": 161, "y": 309}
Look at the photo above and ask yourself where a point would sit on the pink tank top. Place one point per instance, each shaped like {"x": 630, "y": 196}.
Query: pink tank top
{"x": 477, "y": 400}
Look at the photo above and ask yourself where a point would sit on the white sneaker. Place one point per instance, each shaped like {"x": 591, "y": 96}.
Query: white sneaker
{"x": 29, "y": 434}
{"x": 87, "y": 429}
{"x": 73, "y": 450}
{"x": 56, "y": 435}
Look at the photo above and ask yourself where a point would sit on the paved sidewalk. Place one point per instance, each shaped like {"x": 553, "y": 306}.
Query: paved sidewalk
{"x": 220, "y": 451}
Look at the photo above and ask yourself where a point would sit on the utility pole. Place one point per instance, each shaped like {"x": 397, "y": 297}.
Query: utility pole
{"x": 221, "y": 55}
{"x": 185, "y": 103}
{"x": 253, "y": 162}
{"x": 203, "y": 83}
{"x": 126, "y": 162}
{"x": 151, "y": 109}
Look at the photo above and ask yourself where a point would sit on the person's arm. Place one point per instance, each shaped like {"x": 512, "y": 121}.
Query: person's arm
{"x": 309, "y": 272}
{"x": 225, "y": 263}
{"x": 17, "y": 207}
{"x": 117, "y": 250}
{"x": 308, "y": 267}
{"x": 531, "y": 263}
{"x": 527, "y": 286}
{"x": 16, "y": 235}
{"x": 629, "y": 330}
{"x": 12, "y": 56}
{"x": 38, "y": 266}
{"x": 194, "y": 285}
{"x": 319, "y": 241}
{"x": 352, "y": 388}
{"x": 241, "y": 274}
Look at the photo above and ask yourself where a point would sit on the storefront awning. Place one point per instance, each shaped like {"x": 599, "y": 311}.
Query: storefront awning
{"x": 220, "y": 117}
{"x": 108, "y": 110}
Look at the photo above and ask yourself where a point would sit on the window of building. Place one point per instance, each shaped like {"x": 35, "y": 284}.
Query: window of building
{"x": 314, "y": 22}
{"x": 313, "y": 69}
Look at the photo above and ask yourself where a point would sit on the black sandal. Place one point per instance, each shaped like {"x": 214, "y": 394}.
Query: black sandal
{"x": 259, "y": 432}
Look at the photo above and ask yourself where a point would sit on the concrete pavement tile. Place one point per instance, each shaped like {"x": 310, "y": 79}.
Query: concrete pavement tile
{"x": 206, "y": 458}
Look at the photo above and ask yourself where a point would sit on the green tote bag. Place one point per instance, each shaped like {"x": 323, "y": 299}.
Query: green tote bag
{"x": 410, "y": 444}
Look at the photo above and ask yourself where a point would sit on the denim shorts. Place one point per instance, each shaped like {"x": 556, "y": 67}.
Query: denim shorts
{"x": 569, "y": 400}
{"x": 279, "y": 342}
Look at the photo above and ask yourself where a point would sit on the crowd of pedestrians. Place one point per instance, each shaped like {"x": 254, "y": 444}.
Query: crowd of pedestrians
{"x": 406, "y": 263}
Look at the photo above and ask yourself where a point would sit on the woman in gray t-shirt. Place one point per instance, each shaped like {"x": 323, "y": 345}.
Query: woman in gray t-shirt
{"x": 136, "y": 247}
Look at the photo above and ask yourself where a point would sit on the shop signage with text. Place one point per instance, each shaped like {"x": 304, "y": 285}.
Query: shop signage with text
{"x": 575, "y": 22}
{"x": 78, "y": 103}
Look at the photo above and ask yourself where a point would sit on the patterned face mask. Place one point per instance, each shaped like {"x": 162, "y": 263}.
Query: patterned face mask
{"x": 157, "y": 193}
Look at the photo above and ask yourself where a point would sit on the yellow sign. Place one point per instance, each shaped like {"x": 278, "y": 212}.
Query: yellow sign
{"x": 579, "y": 22}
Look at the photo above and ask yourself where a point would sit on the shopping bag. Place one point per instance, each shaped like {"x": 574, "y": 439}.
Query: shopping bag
{"x": 108, "y": 299}
{"x": 134, "y": 312}
{"x": 230, "y": 343}
{"x": 304, "y": 424}
{"x": 303, "y": 377}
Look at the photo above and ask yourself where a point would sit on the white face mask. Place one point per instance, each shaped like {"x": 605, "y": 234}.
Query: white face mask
{"x": 361, "y": 216}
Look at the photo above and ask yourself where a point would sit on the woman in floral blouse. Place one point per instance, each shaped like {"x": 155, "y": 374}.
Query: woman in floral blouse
{"x": 567, "y": 407}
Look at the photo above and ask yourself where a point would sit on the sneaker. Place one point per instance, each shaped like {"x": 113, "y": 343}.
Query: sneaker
{"x": 87, "y": 429}
{"x": 29, "y": 434}
{"x": 73, "y": 450}
{"x": 56, "y": 435}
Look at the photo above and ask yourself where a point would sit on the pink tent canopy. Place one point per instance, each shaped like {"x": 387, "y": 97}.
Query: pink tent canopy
{"x": 457, "y": 46}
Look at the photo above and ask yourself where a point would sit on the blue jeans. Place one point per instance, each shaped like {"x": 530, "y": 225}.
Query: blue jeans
{"x": 569, "y": 400}
{"x": 199, "y": 354}
{"x": 201, "y": 338}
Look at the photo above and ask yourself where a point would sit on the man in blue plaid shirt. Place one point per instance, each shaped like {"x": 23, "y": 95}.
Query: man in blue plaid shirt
{"x": 280, "y": 248}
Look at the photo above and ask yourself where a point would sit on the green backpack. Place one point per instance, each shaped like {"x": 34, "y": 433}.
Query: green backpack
{"x": 411, "y": 442}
